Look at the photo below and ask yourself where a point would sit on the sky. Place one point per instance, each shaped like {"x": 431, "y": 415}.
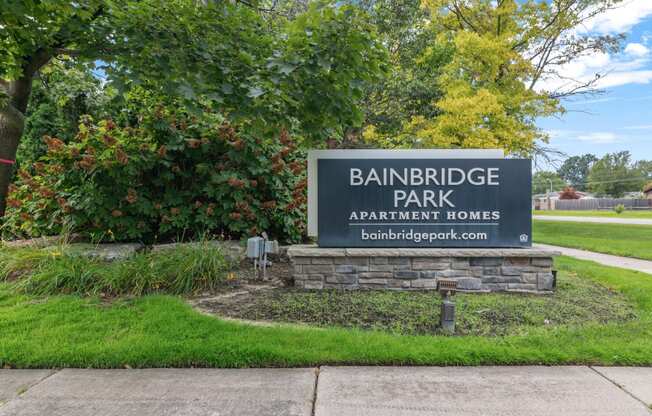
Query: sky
{"x": 621, "y": 117}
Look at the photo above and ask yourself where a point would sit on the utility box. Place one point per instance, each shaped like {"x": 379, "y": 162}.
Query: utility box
{"x": 271, "y": 247}
{"x": 255, "y": 247}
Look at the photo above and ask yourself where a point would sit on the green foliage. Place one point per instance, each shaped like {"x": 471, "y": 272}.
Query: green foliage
{"x": 308, "y": 72}
{"x": 161, "y": 173}
{"x": 30, "y": 29}
{"x": 614, "y": 174}
{"x": 411, "y": 86}
{"x": 186, "y": 269}
{"x": 575, "y": 170}
{"x": 486, "y": 60}
{"x": 63, "y": 92}
{"x": 619, "y": 209}
{"x": 542, "y": 181}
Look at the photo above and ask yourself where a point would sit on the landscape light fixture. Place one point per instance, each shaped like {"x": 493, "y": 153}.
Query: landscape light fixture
{"x": 447, "y": 288}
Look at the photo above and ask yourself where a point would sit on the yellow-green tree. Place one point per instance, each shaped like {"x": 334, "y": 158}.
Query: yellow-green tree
{"x": 490, "y": 85}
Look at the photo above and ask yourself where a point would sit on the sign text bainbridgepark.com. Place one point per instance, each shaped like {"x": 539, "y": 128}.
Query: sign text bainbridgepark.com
{"x": 424, "y": 202}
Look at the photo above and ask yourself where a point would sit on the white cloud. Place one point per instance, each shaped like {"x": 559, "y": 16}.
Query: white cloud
{"x": 616, "y": 79}
{"x": 593, "y": 137}
{"x": 598, "y": 137}
{"x": 614, "y": 70}
{"x": 637, "y": 50}
{"x": 629, "y": 67}
{"x": 619, "y": 19}
{"x": 640, "y": 127}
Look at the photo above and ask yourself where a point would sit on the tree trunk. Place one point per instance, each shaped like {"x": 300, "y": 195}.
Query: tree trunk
{"x": 12, "y": 123}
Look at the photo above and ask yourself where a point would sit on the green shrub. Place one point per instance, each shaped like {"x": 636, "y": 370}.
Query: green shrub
{"x": 619, "y": 209}
{"x": 183, "y": 270}
{"x": 161, "y": 173}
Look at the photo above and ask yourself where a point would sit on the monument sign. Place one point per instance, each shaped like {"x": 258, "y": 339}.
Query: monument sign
{"x": 406, "y": 219}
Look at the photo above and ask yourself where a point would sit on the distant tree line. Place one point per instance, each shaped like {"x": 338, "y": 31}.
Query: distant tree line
{"x": 613, "y": 175}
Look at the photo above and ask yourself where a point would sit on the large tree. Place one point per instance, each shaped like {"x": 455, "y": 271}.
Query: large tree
{"x": 308, "y": 73}
{"x": 575, "y": 170}
{"x": 614, "y": 174}
{"x": 546, "y": 181}
{"x": 492, "y": 86}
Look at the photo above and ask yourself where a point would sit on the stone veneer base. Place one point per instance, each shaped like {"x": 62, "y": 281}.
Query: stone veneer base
{"x": 476, "y": 270}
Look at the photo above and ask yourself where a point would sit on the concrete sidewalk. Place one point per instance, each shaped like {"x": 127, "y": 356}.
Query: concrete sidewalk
{"x": 326, "y": 391}
{"x": 599, "y": 220}
{"x": 638, "y": 265}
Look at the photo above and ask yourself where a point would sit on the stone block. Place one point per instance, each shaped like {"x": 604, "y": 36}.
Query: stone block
{"x": 107, "y": 252}
{"x": 542, "y": 261}
{"x": 379, "y": 260}
{"x": 486, "y": 261}
{"x": 398, "y": 284}
{"x": 297, "y": 269}
{"x": 376, "y": 275}
{"x": 354, "y": 261}
{"x": 491, "y": 270}
{"x": 517, "y": 261}
{"x": 430, "y": 264}
{"x": 302, "y": 260}
{"x": 544, "y": 281}
{"x": 512, "y": 270}
{"x": 317, "y": 268}
{"x": 322, "y": 260}
{"x": 372, "y": 282}
{"x": 313, "y": 284}
{"x": 529, "y": 277}
{"x": 342, "y": 278}
{"x": 381, "y": 268}
{"x": 345, "y": 268}
{"x": 476, "y": 271}
{"x": 469, "y": 284}
{"x": 341, "y": 286}
{"x": 428, "y": 275}
{"x": 460, "y": 263}
{"x": 494, "y": 287}
{"x": 406, "y": 274}
{"x": 501, "y": 279}
{"x": 521, "y": 286}
{"x": 453, "y": 273}
{"x": 400, "y": 261}
{"x": 424, "y": 284}
{"x": 308, "y": 277}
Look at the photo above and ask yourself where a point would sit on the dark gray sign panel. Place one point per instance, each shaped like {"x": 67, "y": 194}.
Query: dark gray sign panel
{"x": 424, "y": 202}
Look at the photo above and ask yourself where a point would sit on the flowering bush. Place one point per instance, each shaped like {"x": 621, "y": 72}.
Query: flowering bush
{"x": 569, "y": 193}
{"x": 163, "y": 174}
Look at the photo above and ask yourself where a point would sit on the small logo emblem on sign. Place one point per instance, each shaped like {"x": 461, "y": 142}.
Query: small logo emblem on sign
{"x": 524, "y": 238}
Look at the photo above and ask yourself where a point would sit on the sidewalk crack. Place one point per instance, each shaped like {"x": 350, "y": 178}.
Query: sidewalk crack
{"x": 649, "y": 409}
{"x": 314, "y": 393}
{"x": 29, "y": 386}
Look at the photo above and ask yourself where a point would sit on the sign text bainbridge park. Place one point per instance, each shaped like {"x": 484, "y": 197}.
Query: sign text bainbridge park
{"x": 424, "y": 202}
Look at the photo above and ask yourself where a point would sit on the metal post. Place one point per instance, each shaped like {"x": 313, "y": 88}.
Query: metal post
{"x": 448, "y": 315}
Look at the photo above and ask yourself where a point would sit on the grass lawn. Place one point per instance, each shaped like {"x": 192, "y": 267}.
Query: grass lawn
{"x": 605, "y": 213}
{"x": 163, "y": 331}
{"x": 617, "y": 239}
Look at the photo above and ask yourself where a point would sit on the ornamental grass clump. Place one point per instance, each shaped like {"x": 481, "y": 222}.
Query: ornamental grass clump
{"x": 184, "y": 269}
